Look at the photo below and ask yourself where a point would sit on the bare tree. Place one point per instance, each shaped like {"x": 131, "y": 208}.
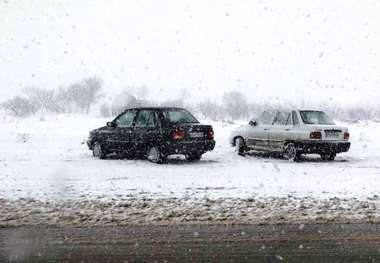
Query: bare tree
{"x": 235, "y": 104}
{"x": 105, "y": 111}
{"x": 44, "y": 98}
{"x": 64, "y": 100}
{"x": 92, "y": 87}
{"x": 77, "y": 95}
{"x": 83, "y": 94}
{"x": 19, "y": 106}
{"x": 211, "y": 110}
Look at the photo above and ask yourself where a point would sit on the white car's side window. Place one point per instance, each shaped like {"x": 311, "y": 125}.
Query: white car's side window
{"x": 295, "y": 118}
{"x": 281, "y": 118}
{"x": 289, "y": 121}
{"x": 265, "y": 118}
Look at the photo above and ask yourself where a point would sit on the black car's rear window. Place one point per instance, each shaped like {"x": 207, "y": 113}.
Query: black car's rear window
{"x": 179, "y": 116}
{"x": 316, "y": 117}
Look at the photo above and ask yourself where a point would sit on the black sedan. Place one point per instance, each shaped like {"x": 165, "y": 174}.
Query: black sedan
{"x": 153, "y": 132}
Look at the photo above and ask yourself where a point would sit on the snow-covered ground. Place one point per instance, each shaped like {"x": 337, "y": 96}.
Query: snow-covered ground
{"x": 47, "y": 161}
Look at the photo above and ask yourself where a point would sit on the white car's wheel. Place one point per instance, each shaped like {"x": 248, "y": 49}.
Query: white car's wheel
{"x": 154, "y": 155}
{"x": 240, "y": 146}
{"x": 290, "y": 152}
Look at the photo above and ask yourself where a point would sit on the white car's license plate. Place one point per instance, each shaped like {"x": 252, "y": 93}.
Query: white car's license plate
{"x": 332, "y": 134}
{"x": 196, "y": 134}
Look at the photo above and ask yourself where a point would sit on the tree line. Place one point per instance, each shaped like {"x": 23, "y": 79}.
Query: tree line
{"x": 83, "y": 95}
{"x": 77, "y": 97}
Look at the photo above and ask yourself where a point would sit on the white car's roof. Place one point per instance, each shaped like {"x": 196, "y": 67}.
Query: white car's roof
{"x": 309, "y": 109}
{"x": 295, "y": 109}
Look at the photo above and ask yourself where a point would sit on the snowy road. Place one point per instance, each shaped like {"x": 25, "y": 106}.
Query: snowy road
{"x": 47, "y": 161}
{"x": 193, "y": 243}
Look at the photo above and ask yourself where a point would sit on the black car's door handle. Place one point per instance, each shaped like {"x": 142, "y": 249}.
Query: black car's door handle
{"x": 287, "y": 129}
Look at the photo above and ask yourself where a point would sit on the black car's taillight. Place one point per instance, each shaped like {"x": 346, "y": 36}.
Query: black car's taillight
{"x": 177, "y": 135}
{"x": 210, "y": 134}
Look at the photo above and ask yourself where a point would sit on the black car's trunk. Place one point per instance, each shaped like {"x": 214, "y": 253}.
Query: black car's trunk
{"x": 194, "y": 131}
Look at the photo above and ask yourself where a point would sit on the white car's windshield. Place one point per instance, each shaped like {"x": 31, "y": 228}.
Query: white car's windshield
{"x": 316, "y": 117}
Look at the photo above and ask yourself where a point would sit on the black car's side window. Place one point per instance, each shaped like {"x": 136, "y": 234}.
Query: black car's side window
{"x": 152, "y": 120}
{"x": 146, "y": 118}
{"x": 126, "y": 120}
{"x": 142, "y": 118}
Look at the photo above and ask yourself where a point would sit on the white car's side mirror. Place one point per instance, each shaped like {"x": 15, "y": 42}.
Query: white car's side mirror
{"x": 252, "y": 123}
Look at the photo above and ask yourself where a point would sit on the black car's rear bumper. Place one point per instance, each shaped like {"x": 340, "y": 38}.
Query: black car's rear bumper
{"x": 187, "y": 147}
{"x": 323, "y": 147}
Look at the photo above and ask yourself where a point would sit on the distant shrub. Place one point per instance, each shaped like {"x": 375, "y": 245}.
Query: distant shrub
{"x": 105, "y": 111}
{"x": 19, "y": 106}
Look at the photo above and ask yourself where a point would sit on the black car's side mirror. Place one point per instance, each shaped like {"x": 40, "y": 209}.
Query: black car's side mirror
{"x": 252, "y": 123}
{"x": 111, "y": 124}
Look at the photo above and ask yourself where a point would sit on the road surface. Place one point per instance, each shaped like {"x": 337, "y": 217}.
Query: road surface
{"x": 193, "y": 243}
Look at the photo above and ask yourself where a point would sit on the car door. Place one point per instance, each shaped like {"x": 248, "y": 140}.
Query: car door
{"x": 121, "y": 138}
{"x": 147, "y": 130}
{"x": 280, "y": 130}
{"x": 258, "y": 134}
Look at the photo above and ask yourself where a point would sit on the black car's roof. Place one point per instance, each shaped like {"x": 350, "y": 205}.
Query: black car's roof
{"x": 155, "y": 108}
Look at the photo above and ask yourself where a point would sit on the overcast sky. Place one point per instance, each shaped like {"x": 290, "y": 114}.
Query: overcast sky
{"x": 301, "y": 50}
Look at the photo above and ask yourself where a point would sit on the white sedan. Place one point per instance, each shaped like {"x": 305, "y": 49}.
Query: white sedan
{"x": 292, "y": 133}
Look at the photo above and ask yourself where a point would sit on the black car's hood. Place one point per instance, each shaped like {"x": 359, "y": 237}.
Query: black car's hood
{"x": 99, "y": 129}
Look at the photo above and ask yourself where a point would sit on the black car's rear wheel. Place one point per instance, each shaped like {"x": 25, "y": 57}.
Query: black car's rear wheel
{"x": 328, "y": 156}
{"x": 98, "y": 151}
{"x": 155, "y": 155}
{"x": 193, "y": 157}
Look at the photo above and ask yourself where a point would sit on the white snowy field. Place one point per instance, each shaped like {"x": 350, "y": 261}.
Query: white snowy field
{"x": 48, "y": 161}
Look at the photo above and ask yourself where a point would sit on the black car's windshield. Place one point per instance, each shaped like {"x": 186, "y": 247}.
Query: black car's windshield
{"x": 316, "y": 117}
{"x": 179, "y": 116}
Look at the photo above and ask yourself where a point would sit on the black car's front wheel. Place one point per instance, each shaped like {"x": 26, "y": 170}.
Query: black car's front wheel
{"x": 98, "y": 151}
{"x": 155, "y": 155}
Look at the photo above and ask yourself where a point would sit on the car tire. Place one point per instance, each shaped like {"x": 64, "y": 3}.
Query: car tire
{"x": 240, "y": 146}
{"x": 328, "y": 156}
{"x": 155, "y": 155}
{"x": 193, "y": 157}
{"x": 290, "y": 152}
{"x": 98, "y": 151}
